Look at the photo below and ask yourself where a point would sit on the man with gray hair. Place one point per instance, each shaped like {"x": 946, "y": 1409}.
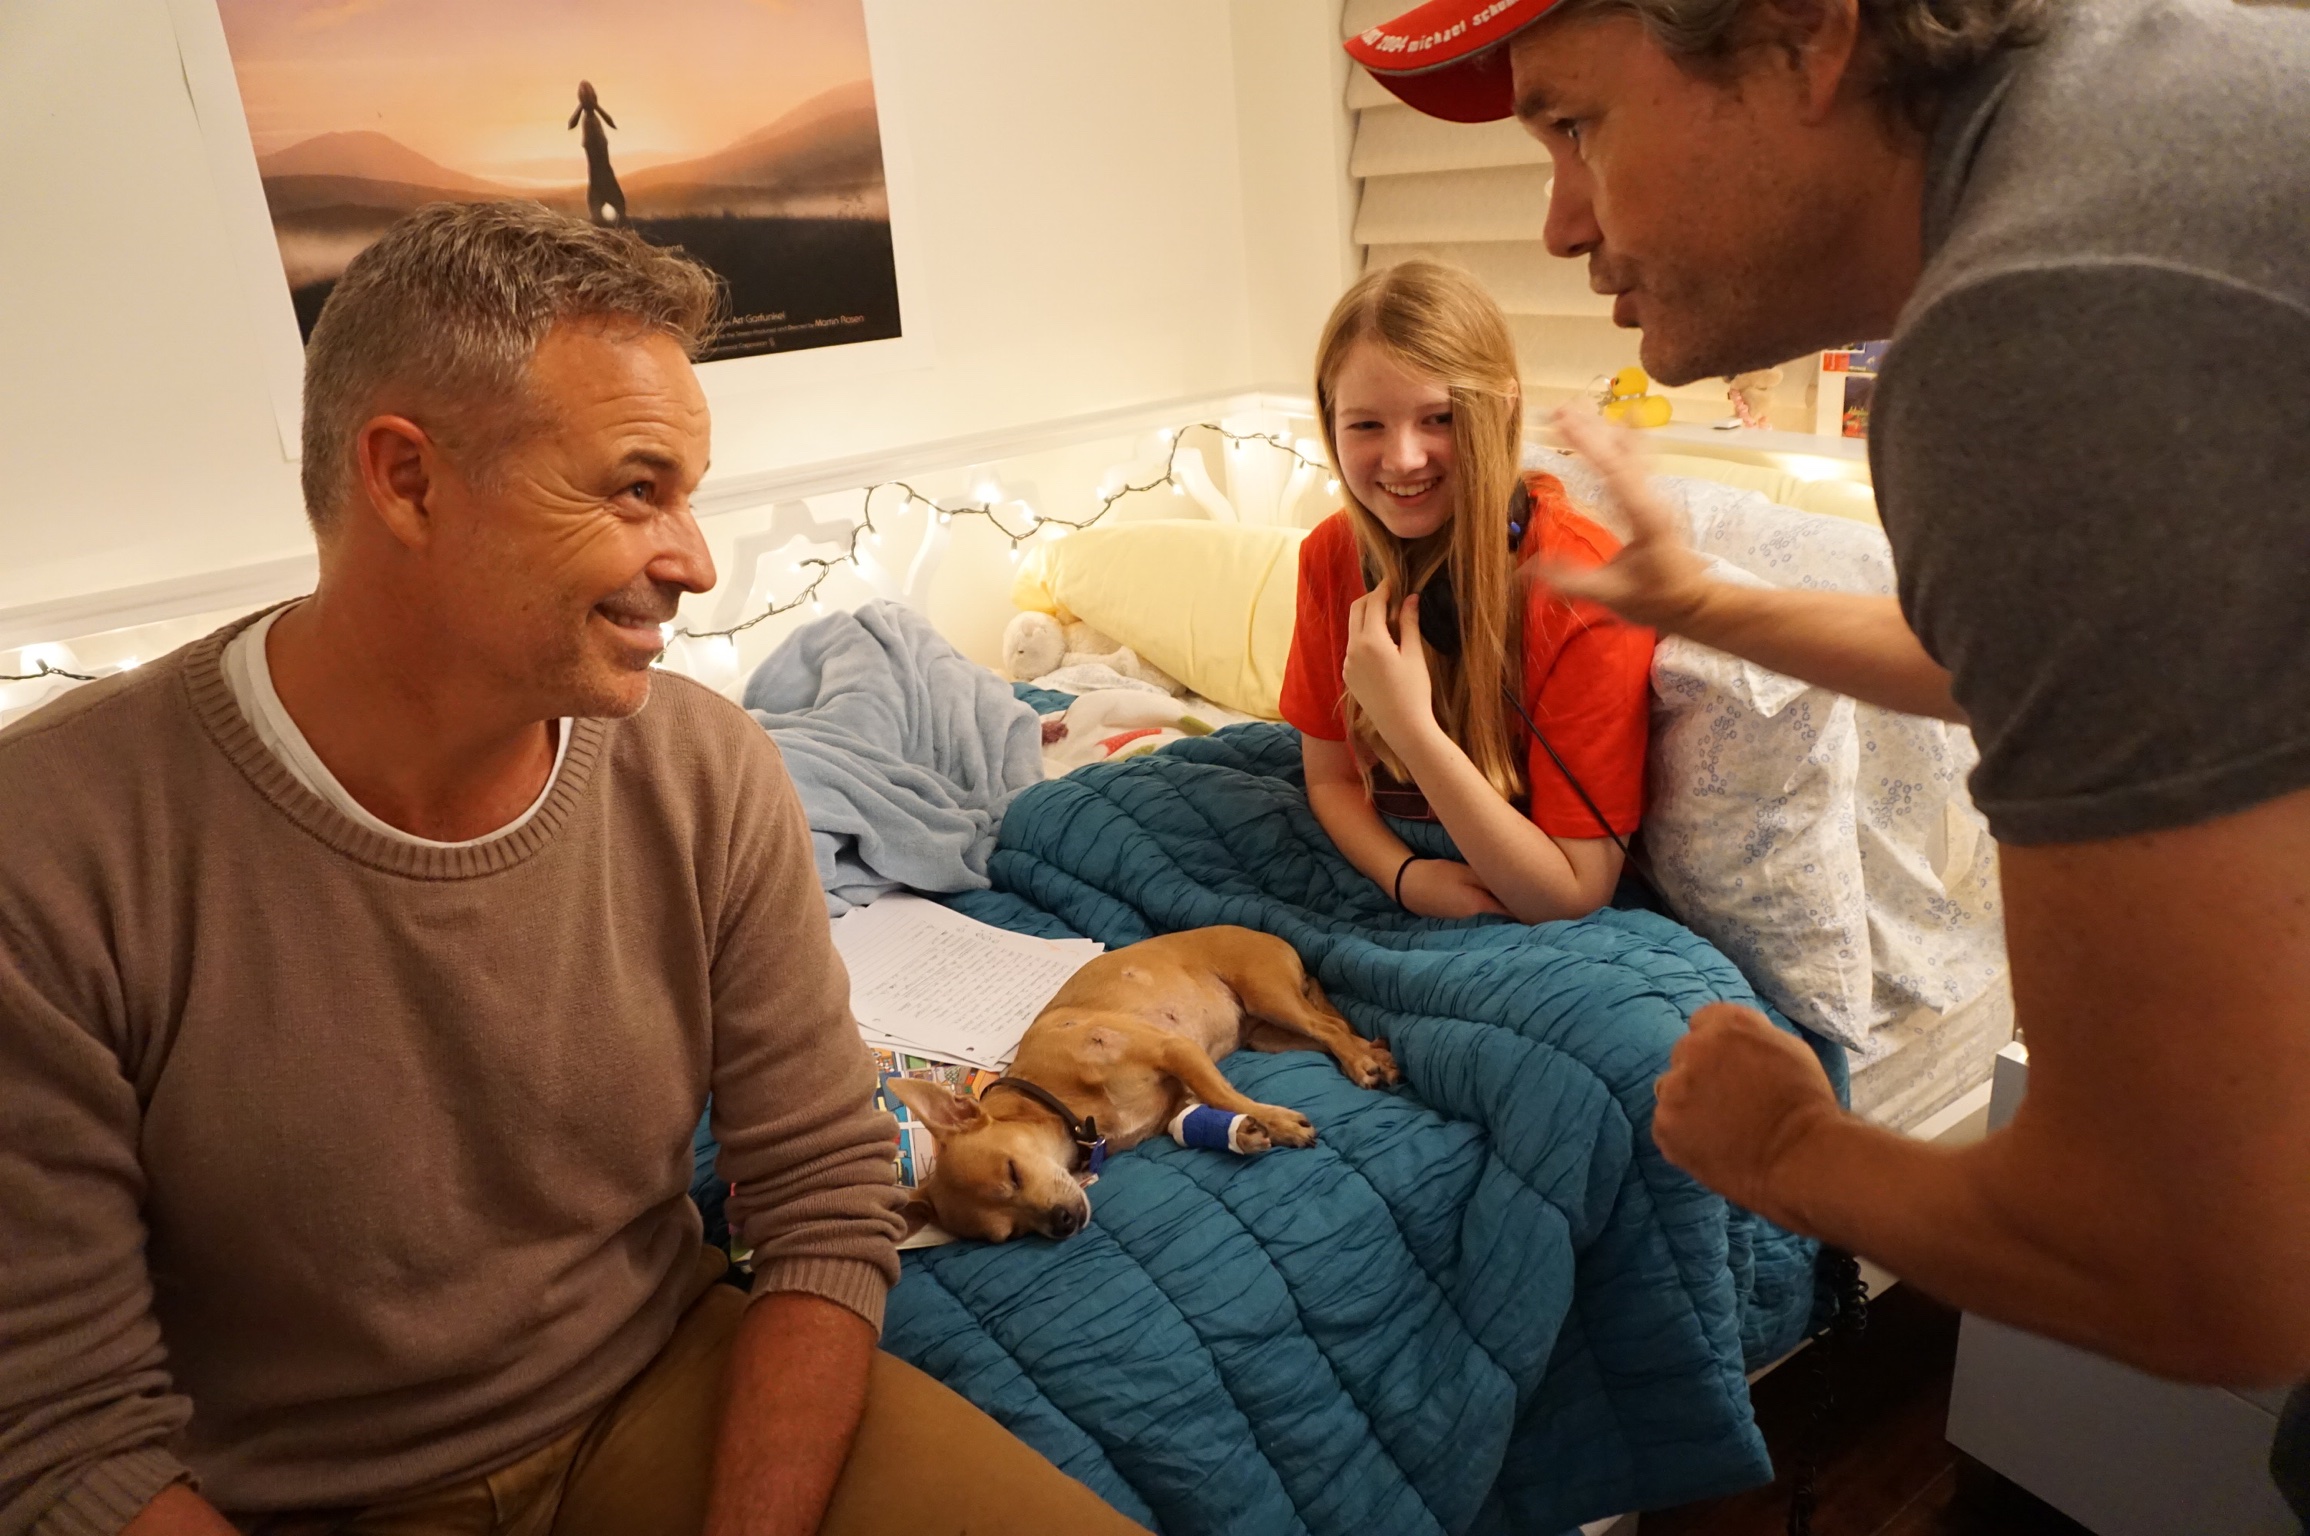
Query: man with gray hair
{"x": 2086, "y": 228}
{"x": 368, "y": 965}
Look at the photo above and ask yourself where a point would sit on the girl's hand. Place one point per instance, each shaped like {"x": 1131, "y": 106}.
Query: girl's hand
{"x": 1388, "y": 677}
{"x": 1448, "y": 888}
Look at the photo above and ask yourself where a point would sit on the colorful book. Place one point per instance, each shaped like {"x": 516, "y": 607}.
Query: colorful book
{"x": 1848, "y": 384}
{"x": 917, "y": 1151}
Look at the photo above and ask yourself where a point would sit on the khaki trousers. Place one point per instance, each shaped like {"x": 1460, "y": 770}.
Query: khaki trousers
{"x": 925, "y": 1463}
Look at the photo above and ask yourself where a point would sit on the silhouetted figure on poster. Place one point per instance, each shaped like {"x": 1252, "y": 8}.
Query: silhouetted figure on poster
{"x": 605, "y": 199}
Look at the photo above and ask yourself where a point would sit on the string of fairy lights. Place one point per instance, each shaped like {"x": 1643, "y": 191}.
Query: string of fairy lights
{"x": 1015, "y": 520}
{"x": 819, "y": 568}
{"x": 45, "y": 670}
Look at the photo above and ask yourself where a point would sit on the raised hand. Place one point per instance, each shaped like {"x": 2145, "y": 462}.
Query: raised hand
{"x": 1656, "y": 580}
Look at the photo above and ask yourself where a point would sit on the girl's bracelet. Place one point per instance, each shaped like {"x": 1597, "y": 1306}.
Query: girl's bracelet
{"x": 1409, "y": 860}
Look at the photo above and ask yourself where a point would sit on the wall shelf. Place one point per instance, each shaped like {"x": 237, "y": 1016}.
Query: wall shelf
{"x": 1853, "y": 449}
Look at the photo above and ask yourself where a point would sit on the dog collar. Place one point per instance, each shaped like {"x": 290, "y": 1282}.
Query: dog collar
{"x": 1085, "y": 1132}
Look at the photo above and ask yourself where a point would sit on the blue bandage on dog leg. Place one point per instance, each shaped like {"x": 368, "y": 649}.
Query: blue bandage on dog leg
{"x": 1217, "y": 1130}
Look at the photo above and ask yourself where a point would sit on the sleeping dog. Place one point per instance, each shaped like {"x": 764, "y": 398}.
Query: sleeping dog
{"x": 1126, "y": 1044}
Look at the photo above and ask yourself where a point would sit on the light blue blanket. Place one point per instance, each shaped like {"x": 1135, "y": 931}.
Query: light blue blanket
{"x": 905, "y": 752}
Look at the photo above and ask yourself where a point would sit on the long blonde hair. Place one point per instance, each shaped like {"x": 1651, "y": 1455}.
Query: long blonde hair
{"x": 1435, "y": 320}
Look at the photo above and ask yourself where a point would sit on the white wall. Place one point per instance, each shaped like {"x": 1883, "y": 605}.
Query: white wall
{"x": 1081, "y": 182}
{"x": 1295, "y": 132}
{"x": 1074, "y": 166}
{"x": 130, "y": 402}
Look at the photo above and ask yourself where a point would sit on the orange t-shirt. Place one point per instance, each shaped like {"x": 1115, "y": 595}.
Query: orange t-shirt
{"x": 1587, "y": 674}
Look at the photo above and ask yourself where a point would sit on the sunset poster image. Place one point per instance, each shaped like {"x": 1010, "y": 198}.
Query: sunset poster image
{"x": 744, "y": 131}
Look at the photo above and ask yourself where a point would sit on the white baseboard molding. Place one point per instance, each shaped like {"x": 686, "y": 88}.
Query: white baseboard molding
{"x": 98, "y": 612}
{"x": 154, "y": 602}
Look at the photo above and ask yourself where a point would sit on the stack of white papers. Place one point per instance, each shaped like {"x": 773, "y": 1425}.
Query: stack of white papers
{"x": 932, "y": 982}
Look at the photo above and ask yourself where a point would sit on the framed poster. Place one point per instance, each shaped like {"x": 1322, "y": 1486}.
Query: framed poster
{"x": 751, "y": 133}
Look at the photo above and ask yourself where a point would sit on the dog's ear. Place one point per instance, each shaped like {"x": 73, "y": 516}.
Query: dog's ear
{"x": 946, "y": 1112}
{"x": 917, "y": 1212}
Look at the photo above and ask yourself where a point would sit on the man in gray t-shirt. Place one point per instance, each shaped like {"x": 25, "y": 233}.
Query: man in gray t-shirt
{"x": 2085, "y": 225}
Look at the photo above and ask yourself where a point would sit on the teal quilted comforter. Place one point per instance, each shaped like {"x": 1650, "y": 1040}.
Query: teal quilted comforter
{"x": 1481, "y": 1303}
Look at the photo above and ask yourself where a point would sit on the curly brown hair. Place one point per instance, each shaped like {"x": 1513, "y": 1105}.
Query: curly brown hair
{"x": 1917, "y": 49}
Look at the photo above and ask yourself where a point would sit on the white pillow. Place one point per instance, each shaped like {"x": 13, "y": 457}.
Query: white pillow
{"x": 1928, "y": 865}
{"x": 1752, "y": 827}
{"x": 1828, "y": 847}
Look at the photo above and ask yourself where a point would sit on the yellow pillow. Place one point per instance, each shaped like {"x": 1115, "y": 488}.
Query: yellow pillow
{"x": 1210, "y": 603}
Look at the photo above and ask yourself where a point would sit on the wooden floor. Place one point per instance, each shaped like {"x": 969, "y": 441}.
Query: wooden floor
{"x": 1885, "y": 1469}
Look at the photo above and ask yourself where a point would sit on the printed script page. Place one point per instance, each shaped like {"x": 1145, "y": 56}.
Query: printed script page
{"x": 947, "y": 986}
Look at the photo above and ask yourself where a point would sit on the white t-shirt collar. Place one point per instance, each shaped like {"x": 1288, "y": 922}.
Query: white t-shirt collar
{"x": 250, "y": 675}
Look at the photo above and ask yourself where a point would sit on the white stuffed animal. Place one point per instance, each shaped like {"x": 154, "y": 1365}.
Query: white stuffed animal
{"x": 1033, "y": 644}
{"x": 1038, "y": 644}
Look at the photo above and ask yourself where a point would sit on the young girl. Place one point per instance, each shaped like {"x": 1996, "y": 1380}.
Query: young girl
{"x": 1419, "y": 633}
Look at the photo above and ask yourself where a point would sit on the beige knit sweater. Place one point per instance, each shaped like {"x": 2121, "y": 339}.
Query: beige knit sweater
{"x": 333, "y": 1167}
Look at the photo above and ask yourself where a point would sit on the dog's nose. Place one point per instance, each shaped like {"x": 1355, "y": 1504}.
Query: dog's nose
{"x": 1066, "y": 1221}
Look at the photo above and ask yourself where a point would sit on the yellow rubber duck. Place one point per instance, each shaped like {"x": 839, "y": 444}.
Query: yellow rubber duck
{"x": 1625, "y": 399}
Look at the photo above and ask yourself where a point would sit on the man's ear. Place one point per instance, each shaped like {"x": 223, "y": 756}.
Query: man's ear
{"x": 1821, "y": 39}
{"x": 938, "y": 1106}
{"x": 393, "y": 469}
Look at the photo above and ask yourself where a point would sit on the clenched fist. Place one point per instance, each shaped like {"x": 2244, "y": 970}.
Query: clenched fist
{"x": 1737, "y": 1096}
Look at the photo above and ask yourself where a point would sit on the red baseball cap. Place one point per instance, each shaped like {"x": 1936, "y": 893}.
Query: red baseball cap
{"x": 1445, "y": 58}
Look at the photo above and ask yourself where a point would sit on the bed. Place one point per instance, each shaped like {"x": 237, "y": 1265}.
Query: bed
{"x": 1933, "y": 1078}
{"x": 1483, "y": 1302}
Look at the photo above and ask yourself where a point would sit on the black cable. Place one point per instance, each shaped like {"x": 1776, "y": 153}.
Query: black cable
{"x": 1634, "y": 860}
{"x": 48, "y": 671}
{"x": 1841, "y": 1317}
{"x": 1569, "y": 777}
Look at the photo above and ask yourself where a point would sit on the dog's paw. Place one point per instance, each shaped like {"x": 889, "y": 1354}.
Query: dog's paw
{"x": 1372, "y": 1067}
{"x": 1283, "y": 1127}
{"x": 1253, "y": 1138}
